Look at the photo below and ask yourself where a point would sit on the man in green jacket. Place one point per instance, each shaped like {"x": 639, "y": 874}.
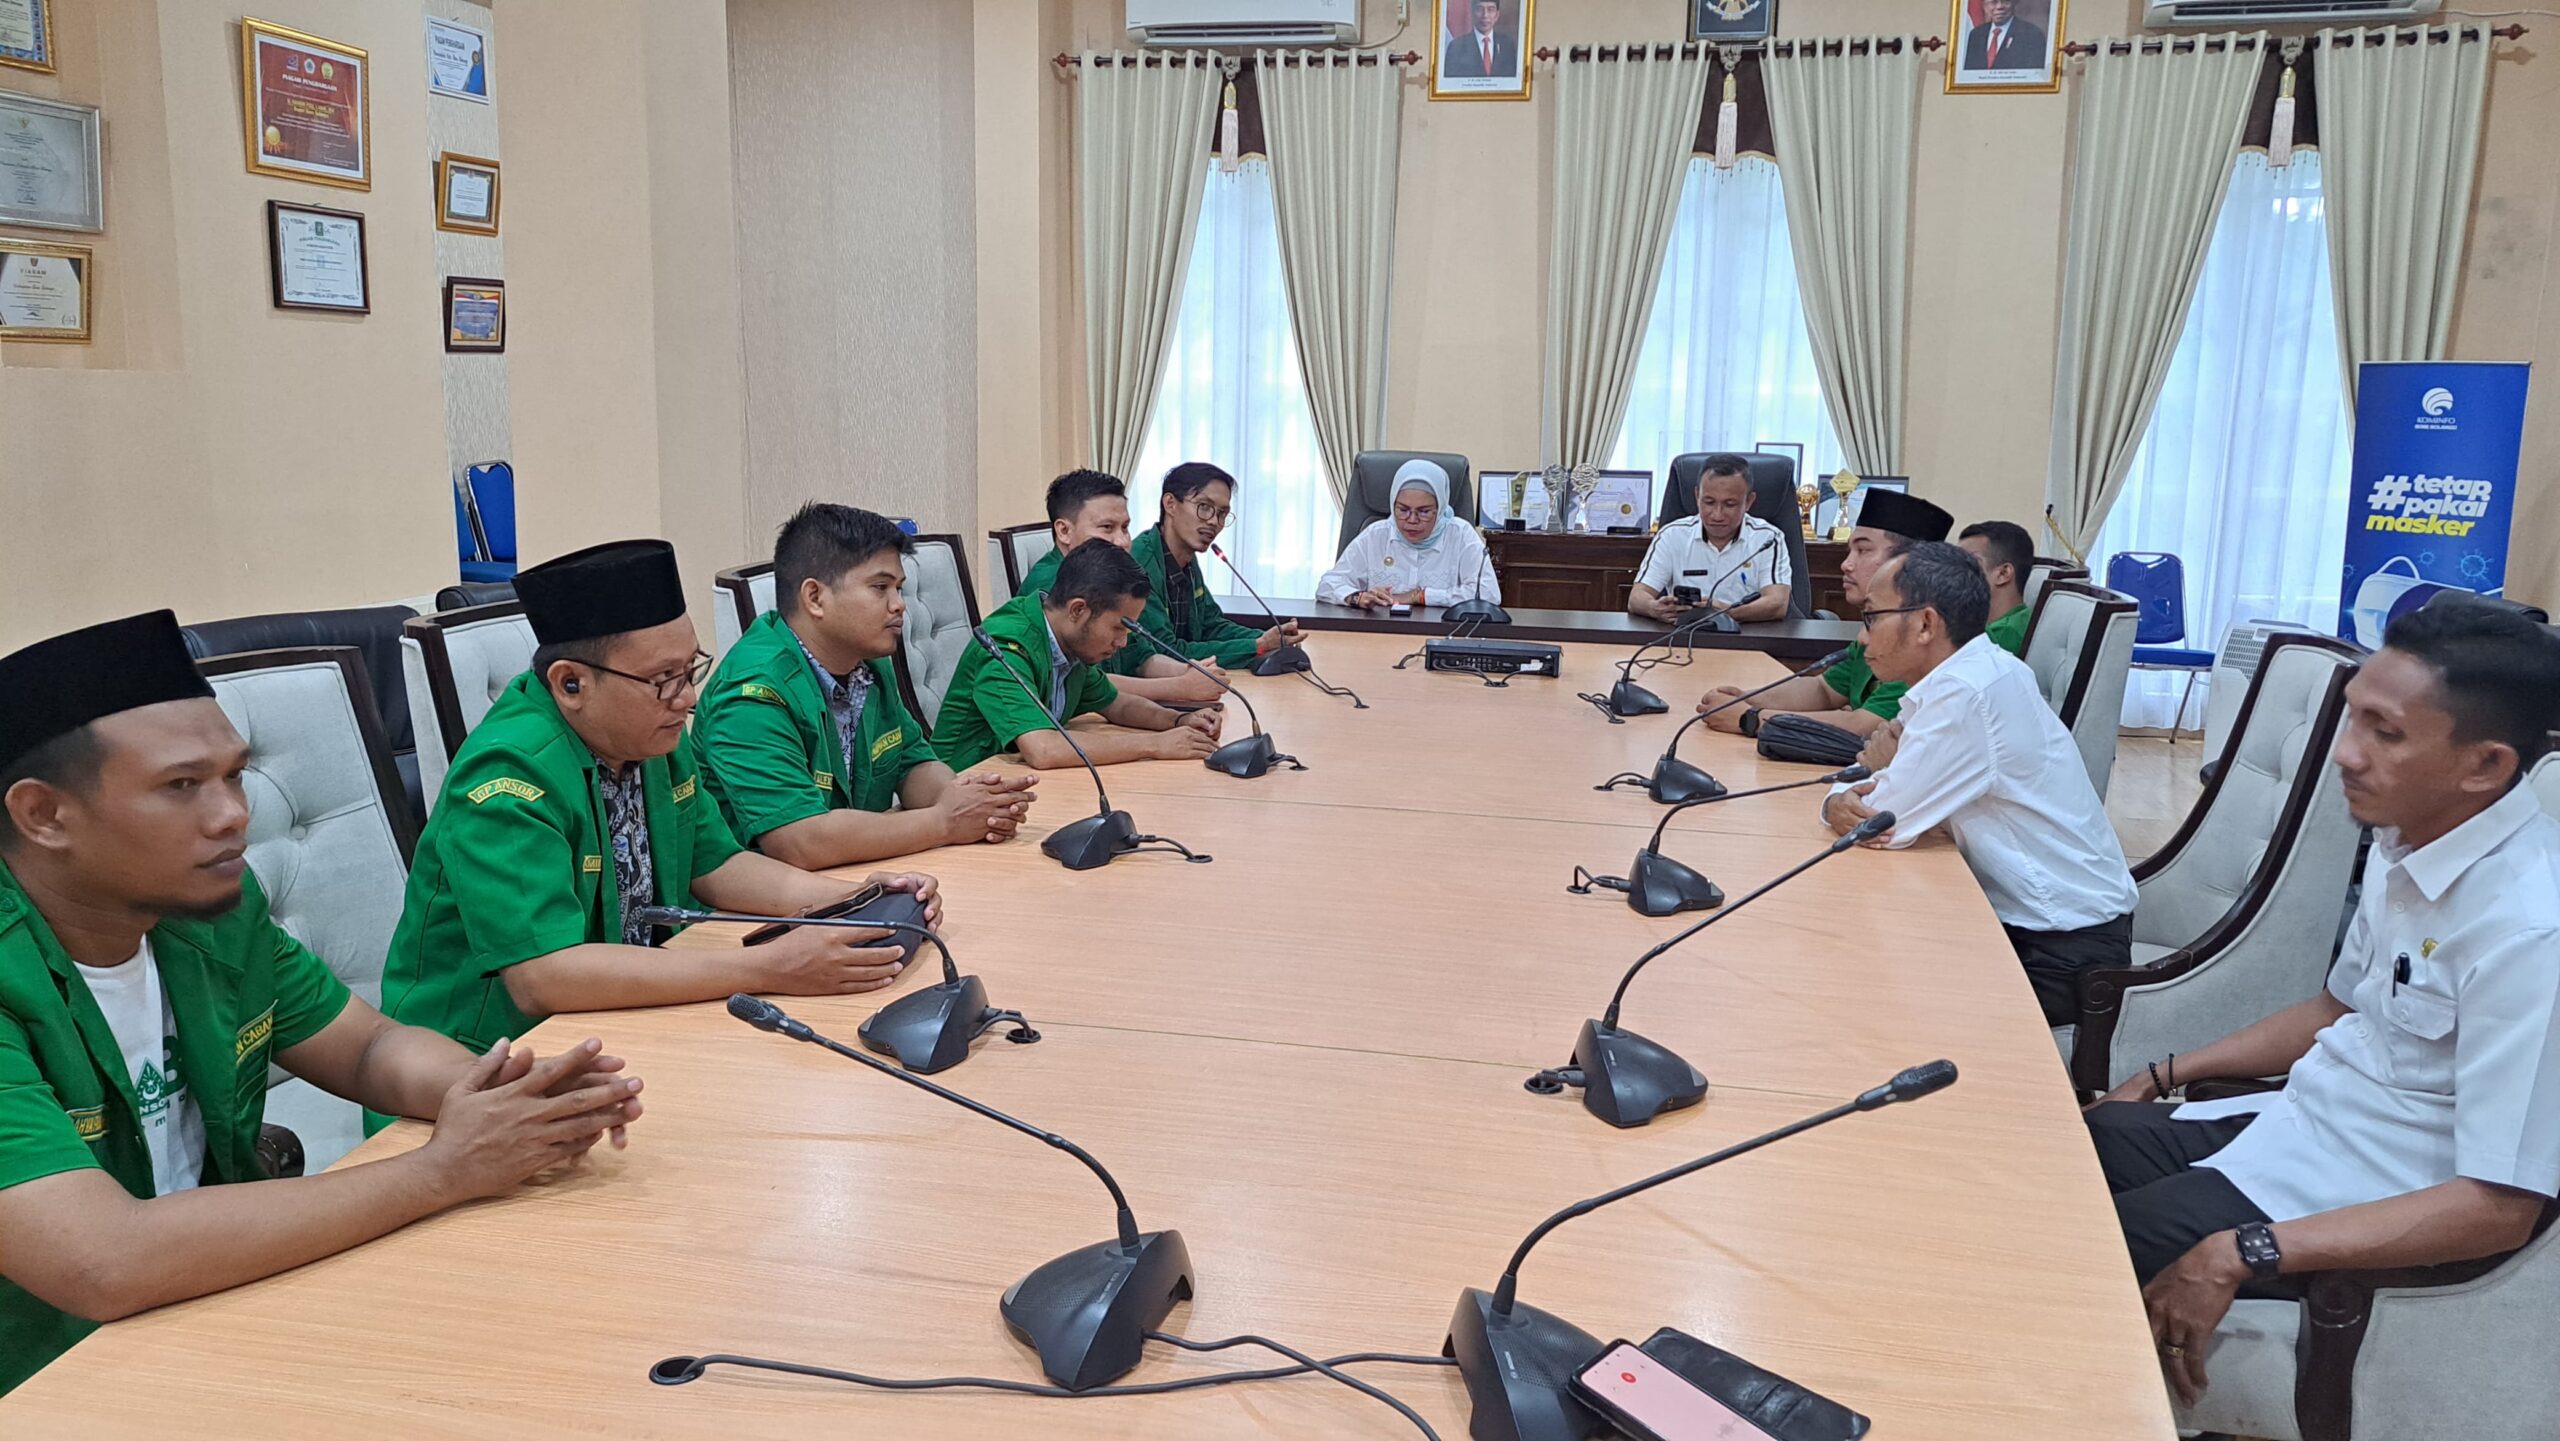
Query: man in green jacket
{"x": 1848, "y": 695}
{"x": 576, "y": 802}
{"x": 2005, "y": 552}
{"x": 1198, "y": 498}
{"x": 143, "y": 992}
{"x": 1053, "y": 644}
{"x": 1089, "y": 505}
{"x": 804, "y": 741}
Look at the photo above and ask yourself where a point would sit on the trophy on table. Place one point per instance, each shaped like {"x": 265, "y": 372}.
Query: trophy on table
{"x": 1807, "y": 494}
{"x": 1586, "y": 479}
{"x": 1557, "y": 481}
{"x": 1843, "y": 485}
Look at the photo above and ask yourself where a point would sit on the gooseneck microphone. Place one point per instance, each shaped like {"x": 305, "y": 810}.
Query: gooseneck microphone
{"x": 1518, "y": 1360}
{"x": 1087, "y": 1312}
{"x": 928, "y": 1031}
{"x": 1244, "y": 759}
{"x": 1096, "y": 839}
{"x": 1675, "y": 781}
{"x": 1475, "y": 607}
{"x": 1626, "y": 1079}
{"x": 1658, "y": 885}
{"x": 1626, "y": 698}
{"x": 1282, "y": 660}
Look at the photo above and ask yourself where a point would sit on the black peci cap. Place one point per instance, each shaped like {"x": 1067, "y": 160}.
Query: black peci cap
{"x": 610, "y": 589}
{"x": 56, "y": 686}
{"x": 1904, "y": 515}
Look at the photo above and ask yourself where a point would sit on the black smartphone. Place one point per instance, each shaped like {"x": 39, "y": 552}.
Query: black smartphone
{"x": 1651, "y": 1402}
{"x": 845, "y": 907}
{"x": 1687, "y": 594}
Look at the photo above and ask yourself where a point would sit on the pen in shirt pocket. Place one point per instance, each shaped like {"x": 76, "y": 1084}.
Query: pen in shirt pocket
{"x": 2399, "y": 972}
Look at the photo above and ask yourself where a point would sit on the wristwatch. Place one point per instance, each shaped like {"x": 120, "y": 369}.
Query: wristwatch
{"x": 2257, "y": 1246}
{"x": 1750, "y": 720}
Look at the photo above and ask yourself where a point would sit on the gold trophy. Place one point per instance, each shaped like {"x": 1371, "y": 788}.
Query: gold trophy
{"x": 1806, "y": 494}
{"x": 1843, "y": 485}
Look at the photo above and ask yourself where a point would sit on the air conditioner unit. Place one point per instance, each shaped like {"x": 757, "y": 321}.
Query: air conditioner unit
{"x": 1201, "y": 24}
{"x": 2224, "y": 14}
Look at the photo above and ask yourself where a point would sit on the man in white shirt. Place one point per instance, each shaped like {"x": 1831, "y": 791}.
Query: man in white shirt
{"x": 1729, "y": 556}
{"x": 2420, "y": 1123}
{"x": 1981, "y": 753}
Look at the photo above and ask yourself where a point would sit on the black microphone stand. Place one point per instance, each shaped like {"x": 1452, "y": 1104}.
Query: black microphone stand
{"x": 1657, "y": 885}
{"x": 1519, "y": 1361}
{"x": 1627, "y": 1079}
{"x": 1089, "y": 1311}
{"x": 1626, "y": 698}
{"x": 1285, "y": 658}
{"x": 1475, "y": 607}
{"x": 1095, "y": 840}
{"x": 1245, "y": 758}
{"x": 1677, "y": 782}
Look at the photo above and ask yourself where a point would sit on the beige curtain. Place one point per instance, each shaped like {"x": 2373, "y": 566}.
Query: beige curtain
{"x": 1331, "y": 131}
{"x": 2159, "y": 130}
{"x": 1623, "y": 135}
{"x": 1142, "y": 145}
{"x": 2399, "y": 146}
{"x": 1844, "y": 126}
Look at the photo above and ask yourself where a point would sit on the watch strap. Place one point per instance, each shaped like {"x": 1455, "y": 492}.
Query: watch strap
{"x": 2257, "y": 1243}
{"x": 1750, "y": 723}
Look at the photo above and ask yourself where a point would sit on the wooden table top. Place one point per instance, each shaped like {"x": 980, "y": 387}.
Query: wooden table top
{"x": 1796, "y": 640}
{"x": 1307, "y": 1057}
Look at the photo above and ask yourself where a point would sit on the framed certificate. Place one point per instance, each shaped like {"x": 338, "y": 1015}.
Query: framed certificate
{"x": 1621, "y": 503}
{"x": 475, "y": 314}
{"x": 45, "y": 291}
{"x": 50, "y": 177}
{"x": 316, "y": 259}
{"x": 26, "y": 35}
{"x": 466, "y": 194}
{"x": 305, "y": 106}
{"x": 457, "y": 60}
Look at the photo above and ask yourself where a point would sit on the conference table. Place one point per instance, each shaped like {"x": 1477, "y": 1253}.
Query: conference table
{"x": 1307, "y": 1056}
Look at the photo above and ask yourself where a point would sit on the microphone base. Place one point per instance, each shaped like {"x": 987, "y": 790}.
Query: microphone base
{"x": 1286, "y": 659}
{"x": 1626, "y": 698}
{"x": 1093, "y": 841}
{"x": 1657, "y": 885}
{"x": 1483, "y": 610}
{"x": 1675, "y": 781}
{"x": 1628, "y": 1080}
{"x": 931, "y": 1030}
{"x": 1519, "y": 1371}
{"x": 1247, "y": 758}
{"x": 1087, "y": 1313}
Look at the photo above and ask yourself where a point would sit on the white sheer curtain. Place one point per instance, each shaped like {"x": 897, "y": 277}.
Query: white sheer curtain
{"x": 1726, "y": 362}
{"x": 1231, "y": 394}
{"x": 2243, "y": 471}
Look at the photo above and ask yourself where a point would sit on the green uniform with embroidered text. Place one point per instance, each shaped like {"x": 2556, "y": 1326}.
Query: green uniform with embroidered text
{"x": 516, "y": 863}
{"x": 984, "y": 711}
{"x": 770, "y": 752}
{"x": 1209, "y": 634}
{"x": 241, "y": 989}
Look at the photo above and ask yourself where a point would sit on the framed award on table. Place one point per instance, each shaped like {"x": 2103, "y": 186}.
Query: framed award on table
{"x": 466, "y": 194}
{"x": 316, "y": 259}
{"x": 306, "y": 106}
{"x": 50, "y": 177}
{"x": 45, "y": 291}
{"x": 26, "y": 35}
{"x": 475, "y": 315}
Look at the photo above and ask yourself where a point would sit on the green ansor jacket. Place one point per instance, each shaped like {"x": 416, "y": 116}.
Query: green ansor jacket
{"x": 770, "y": 751}
{"x": 1206, "y": 634}
{"x": 985, "y": 710}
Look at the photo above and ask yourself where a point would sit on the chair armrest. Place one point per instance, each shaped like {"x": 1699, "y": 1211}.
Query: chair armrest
{"x": 2102, "y": 1001}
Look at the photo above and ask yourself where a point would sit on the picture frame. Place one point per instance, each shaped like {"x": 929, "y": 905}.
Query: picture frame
{"x": 458, "y": 61}
{"x": 475, "y": 315}
{"x": 48, "y": 291}
{"x": 52, "y": 176}
{"x": 467, "y": 194}
{"x": 1726, "y": 21}
{"x": 1987, "y": 40}
{"x": 26, "y": 35}
{"x": 1827, "y": 509}
{"x": 1459, "y": 68}
{"x": 317, "y": 259}
{"x": 1792, "y": 450}
{"x": 306, "y": 107}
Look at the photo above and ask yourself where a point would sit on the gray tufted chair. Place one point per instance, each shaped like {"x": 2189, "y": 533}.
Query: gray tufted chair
{"x": 2044, "y": 571}
{"x": 2239, "y": 911}
{"x": 1368, "y": 497}
{"x": 2080, "y": 645}
{"x": 737, "y": 598}
{"x": 941, "y": 611}
{"x": 457, "y": 663}
{"x": 329, "y": 838}
{"x": 1017, "y": 548}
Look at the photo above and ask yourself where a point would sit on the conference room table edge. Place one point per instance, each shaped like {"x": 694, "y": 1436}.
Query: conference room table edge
{"x": 1792, "y": 639}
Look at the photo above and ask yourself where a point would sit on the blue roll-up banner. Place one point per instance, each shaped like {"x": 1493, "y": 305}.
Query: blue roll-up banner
{"x": 2431, "y": 489}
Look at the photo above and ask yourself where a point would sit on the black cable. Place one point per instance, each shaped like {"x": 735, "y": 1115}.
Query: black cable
{"x": 1329, "y": 688}
{"x": 1325, "y": 1367}
{"x": 1622, "y": 778}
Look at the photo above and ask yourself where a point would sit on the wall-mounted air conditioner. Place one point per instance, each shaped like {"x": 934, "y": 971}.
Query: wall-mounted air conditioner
{"x": 2225, "y": 14}
{"x": 1203, "y": 23}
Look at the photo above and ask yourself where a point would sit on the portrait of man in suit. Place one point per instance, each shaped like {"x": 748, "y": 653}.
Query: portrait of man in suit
{"x": 1484, "y": 51}
{"x": 2003, "y": 38}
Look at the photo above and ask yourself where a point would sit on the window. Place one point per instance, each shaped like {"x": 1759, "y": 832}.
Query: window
{"x": 1231, "y": 394}
{"x": 2243, "y": 471}
{"x": 1726, "y": 362}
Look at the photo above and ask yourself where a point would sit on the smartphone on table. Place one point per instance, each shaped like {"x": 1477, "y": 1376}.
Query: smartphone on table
{"x": 1651, "y": 1402}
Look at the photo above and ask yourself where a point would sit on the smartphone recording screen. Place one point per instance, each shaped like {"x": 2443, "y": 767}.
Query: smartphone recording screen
{"x": 1658, "y": 1399}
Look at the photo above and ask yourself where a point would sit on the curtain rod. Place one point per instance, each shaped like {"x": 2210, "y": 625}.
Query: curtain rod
{"x": 1127, "y": 60}
{"x": 2153, "y": 45}
{"x": 1890, "y": 45}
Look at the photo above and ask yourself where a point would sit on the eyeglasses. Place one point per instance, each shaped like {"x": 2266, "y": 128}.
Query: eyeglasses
{"x": 1416, "y": 512}
{"x": 1869, "y": 619}
{"x": 669, "y": 688}
{"x": 1215, "y": 515}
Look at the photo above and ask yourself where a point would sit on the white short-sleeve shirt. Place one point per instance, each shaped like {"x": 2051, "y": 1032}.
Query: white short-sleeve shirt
{"x": 2449, "y": 1062}
{"x": 1724, "y": 575}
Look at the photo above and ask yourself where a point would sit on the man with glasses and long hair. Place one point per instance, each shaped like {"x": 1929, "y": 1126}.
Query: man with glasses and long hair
{"x": 578, "y": 800}
{"x": 1198, "y": 498}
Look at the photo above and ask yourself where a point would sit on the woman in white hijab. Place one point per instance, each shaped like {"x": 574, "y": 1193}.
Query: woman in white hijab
{"x": 1420, "y": 555}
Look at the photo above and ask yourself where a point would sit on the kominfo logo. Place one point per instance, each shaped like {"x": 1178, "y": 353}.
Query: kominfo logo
{"x": 2436, "y": 401}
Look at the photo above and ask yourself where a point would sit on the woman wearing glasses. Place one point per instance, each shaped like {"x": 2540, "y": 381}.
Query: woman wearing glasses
{"x": 1420, "y": 555}
{"x": 1198, "y": 498}
{"x": 576, "y": 803}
